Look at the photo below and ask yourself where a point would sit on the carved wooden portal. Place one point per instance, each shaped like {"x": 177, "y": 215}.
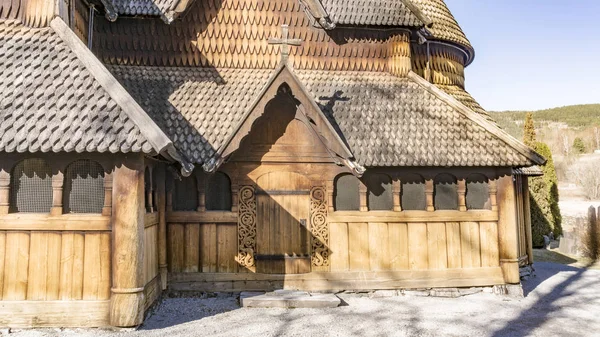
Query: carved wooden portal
{"x": 283, "y": 237}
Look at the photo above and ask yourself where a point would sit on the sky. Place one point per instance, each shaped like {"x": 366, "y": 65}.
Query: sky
{"x": 532, "y": 54}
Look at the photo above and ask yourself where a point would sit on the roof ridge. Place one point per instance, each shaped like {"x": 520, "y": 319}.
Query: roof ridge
{"x": 424, "y": 18}
{"x": 475, "y": 117}
{"x": 148, "y": 128}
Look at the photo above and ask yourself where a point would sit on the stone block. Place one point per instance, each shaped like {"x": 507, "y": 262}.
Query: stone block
{"x": 289, "y": 299}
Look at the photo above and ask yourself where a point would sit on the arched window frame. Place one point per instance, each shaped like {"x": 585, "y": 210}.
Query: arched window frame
{"x": 442, "y": 191}
{"x": 353, "y": 191}
{"x": 45, "y": 192}
{"x": 209, "y": 184}
{"x": 386, "y": 198}
{"x": 96, "y": 198}
{"x": 193, "y": 196}
{"x": 478, "y": 178}
{"x": 405, "y": 191}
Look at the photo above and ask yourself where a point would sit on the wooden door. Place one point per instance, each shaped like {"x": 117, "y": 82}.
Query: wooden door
{"x": 283, "y": 239}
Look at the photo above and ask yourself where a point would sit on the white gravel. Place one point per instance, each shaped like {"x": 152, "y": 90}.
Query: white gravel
{"x": 560, "y": 301}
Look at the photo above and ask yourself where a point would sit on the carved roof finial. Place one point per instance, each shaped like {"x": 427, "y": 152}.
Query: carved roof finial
{"x": 285, "y": 43}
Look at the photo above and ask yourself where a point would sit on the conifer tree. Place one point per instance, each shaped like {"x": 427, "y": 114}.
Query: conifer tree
{"x": 529, "y": 131}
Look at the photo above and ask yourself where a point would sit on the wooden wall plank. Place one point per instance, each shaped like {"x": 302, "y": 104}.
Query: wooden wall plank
{"x": 227, "y": 248}
{"x": 338, "y": 245}
{"x": 398, "y": 246}
{"x": 379, "y": 255}
{"x": 54, "y": 313}
{"x": 208, "y": 254}
{"x": 2, "y": 255}
{"x": 470, "y": 246}
{"x": 53, "y": 270}
{"x": 37, "y": 273}
{"x": 437, "y": 256}
{"x": 16, "y": 266}
{"x": 453, "y": 245}
{"x": 91, "y": 261}
{"x": 176, "y": 247}
{"x": 192, "y": 248}
{"x": 263, "y": 231}
{"x": 489, "y": 244}
{"x": 71, "y": 269}
{"x": 358, "y": 242}
{"x": 105, "y": 267}
{"x": 417, "y": 246}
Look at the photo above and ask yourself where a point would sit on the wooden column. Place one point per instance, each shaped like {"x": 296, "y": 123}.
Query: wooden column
{"x": 4, "y": 191}
{"x": 107, "y": 208}
{"x": 330, "y": 201}
{"x": 161, "y": 204}
{"x": 57, "y": 194}
{"x": 527, "y": 215}
{"x": 127, "y": 299}
{"x": 149, "y": 193}
{"x": 362, "y": 189}
{"x": 493, "y": 194}
{"x": 462, "y": 193}
{"x": 507, "y": 230}
{"x": 397, "y": 190}
{"x": 201, "y": 183}
{"x": 429, "y": 195}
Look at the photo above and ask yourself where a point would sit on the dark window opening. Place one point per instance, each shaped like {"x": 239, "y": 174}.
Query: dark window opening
{"x": 478, "y": 192}
{"x": 346, "y": 193}
{"x": 445, "y": 192}
{"x": 31, "y": 187}
{"x": 413, "y": 193}
{"x": 218, "y": 192}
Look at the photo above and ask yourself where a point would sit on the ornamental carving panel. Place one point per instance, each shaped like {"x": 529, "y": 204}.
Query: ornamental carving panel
{"x": 319, "y": 227}
{"x": 246, "y": 226}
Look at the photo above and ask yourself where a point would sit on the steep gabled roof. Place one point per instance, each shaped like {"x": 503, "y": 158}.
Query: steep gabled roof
{"x": 384, "y": 120}
{"x": 56, "y": 96}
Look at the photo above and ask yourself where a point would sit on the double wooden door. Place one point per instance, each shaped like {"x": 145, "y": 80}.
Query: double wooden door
{"x": 283, "y": 237}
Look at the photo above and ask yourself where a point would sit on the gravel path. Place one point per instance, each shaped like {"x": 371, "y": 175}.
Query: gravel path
{"x": 560, "y": 301}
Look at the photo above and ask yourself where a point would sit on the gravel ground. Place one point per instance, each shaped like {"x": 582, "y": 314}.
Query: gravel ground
{"x": 560, "y": 301}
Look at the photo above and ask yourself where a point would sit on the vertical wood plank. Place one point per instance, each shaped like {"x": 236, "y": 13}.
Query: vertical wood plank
{"x": 470, "y": 249}
{"x": 176, "y": 247}
{"x": 338, "y": 241}
{"x": 2, "y": 259}
{"x": 71, "y": 266}
{"x": 358, "y": 242}
{"x": 53, "y": 270}
{"x": 263, "y": 214}
{"x": 208, "y": 257}
{"x": 417, "y": 246}
{"x": 37, "y": 273}
{"x": 104, "y": 283}
{"x": 227, "y": 248}
{"x": 489, "y": 244}
{"x": 398, "y": 246}
{"x": 453, "y": 244}
{"x": 437, "y": 256}
{"x": 91, "y": 270}
{"x": 192, "y": 248}
{"x": 379, "y": 255}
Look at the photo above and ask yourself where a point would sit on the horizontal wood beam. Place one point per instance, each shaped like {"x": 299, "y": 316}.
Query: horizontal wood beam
{"x": 413, "y": 216}
{"x": 202, "y": 217}
{"x": 46, "y": 222}
{"x": 36, "y": 314}
{"x": 328, "y": 281}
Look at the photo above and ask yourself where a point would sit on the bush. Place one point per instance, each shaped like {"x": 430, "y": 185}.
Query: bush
{"x": 545, "y": 214}
{"x": 578, "y": 145}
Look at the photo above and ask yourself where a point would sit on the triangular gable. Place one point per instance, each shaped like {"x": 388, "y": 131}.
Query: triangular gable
{"x": 315, "y": 119}
{"x": 480, "y": 120}
{"x": 155, "y": 136}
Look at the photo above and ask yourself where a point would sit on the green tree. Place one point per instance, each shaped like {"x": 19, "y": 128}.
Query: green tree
{"x": 578, "y": 145}
{"x": 529, "y": 131}
{"x": 545, "y": 213}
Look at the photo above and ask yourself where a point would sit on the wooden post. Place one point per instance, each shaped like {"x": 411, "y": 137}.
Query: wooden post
{"x": 107, "y": 208}
{"x": 429, "y": 195}
{"x": 329, "y": 187}
{"x": 362, "y": 189}
{"x": 462, "y": 192}
{"x": 4, "y": 191}
{"x": 150, "y": 191}
{"x": 527, "y": 215}
{"x": 235, "y": 189}
{"x": 493, "y": 194}
{"x": 127, "y": 299}
{"x": 161, "y": 204}
{"x": 508, "y": 241}
{"x": 202, "y": 181}
{"x": 57, "y": 194}
{"x": 397, "y": 190}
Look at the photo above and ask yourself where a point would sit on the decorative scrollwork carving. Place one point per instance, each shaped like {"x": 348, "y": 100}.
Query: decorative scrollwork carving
{"x": 246, "y": 226}
{"x": 319, "y": 227}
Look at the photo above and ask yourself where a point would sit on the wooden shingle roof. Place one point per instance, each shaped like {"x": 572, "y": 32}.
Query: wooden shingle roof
{"x": 384, "y": 120}
{"x": 55, "y": 96}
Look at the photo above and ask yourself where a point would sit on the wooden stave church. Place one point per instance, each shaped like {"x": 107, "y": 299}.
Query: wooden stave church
{"x": 198, "y": 124}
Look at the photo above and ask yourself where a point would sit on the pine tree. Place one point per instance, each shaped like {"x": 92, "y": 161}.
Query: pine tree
{"x": 529, "y": 137}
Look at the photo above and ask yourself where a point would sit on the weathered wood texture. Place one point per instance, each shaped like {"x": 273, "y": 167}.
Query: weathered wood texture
{"x": 50, "y": 266}
{"x": 30, "y": 314}
{"x": 150, "y": 247}
{"x": 413, "y": 246}
{"x": 206, "y": 36}
{"x": 508, "y": 231}
{"x": 33, "y": 13}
